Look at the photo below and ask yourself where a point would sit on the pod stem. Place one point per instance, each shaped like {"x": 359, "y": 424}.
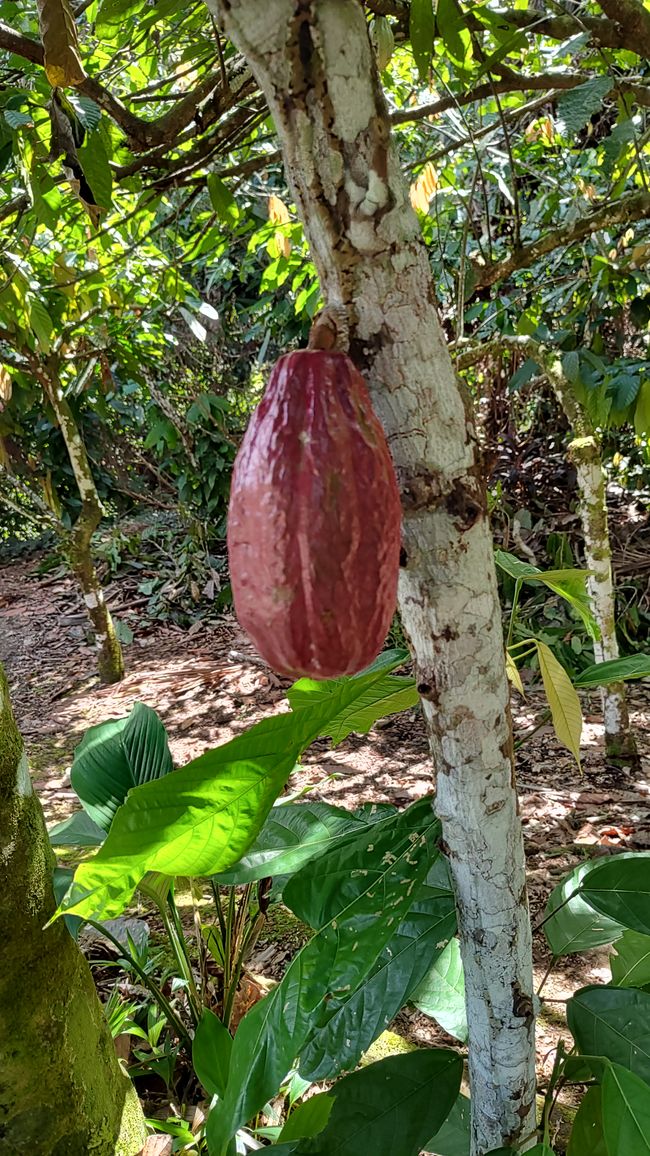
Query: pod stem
{"x": 330, "y": 329}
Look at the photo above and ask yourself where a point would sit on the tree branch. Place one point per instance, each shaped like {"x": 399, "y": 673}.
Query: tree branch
{"x": 634, "y": 207}
{"x": 633, "y": 19}
{"x": 514, "y": 82}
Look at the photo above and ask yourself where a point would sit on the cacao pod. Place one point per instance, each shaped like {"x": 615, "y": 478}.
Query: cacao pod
{"x": 314, "y": 521}
{"x": 383, "y": 41}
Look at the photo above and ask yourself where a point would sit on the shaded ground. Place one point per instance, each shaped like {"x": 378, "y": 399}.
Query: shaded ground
{"x": 208, "y": 685}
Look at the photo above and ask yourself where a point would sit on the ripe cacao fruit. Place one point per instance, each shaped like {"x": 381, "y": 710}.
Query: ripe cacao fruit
{"x": 314, "y": 521}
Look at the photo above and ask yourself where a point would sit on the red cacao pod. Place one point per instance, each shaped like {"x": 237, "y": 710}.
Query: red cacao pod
{"x": 314, "y": 521}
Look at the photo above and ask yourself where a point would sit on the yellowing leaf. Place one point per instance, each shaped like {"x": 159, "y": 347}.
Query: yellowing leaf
{"x": 540, "y": 129}
{"x": 423, "y": 188}
{"x": 279, "y": 214}
{"x": 563, "y": 700}
{"x": 63, "y": 66}
{"x": 513, "y": 674}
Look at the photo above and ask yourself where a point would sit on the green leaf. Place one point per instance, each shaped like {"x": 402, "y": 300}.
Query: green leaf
{"x": 41, "y": 324}
{"x": 421, "y": 27}
{"x": 642, "y": 409}
{"x": 616, "y": 670}
{"x": 574, "y": 925}
{"x": 17, "y": 119}
{"x": 93, "y": 159}
{"x": 512, "y": 566}
{"x": 586, "y": 1137}
{"x": 613, "y": 1022}
{"x": 293, "y": 834}
{"x": 211, "y": 1050}
{"x": 626, "y": 1113}
{"x": 309, "y": 1118}
{"x": 346, "y": 1025}
{"x": 575, "y": 106}
{"x": 454, "y": 1138}
{"x": 620, "y": 888}
{"x": 630, "y": 964}
{"x": 570, "y": 584}
{"x": 88, "y": 112}
{"x": 222, "y": 200}
{"x": 441, "y": 993}
{"x": 383, "y": 696}
{"x": 571, "y": 366}
{"x": 563, "y": 700}
{"x": 362, "y": 906}
{"x": 389, "y": 1107}
{"x": 77, "y": 831}
{"x": 116, "y": 756}
{"x": 451, "y": 27}
{"x": 526, "y": 371}
{"x": 203, "y": 818}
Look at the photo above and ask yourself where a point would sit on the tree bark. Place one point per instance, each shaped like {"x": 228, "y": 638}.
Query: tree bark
{"x": 584, "y": 451}
{"x": 313, "y": 61}
{"x": 110, "y": 661}
{"x": 62, "y": 1091}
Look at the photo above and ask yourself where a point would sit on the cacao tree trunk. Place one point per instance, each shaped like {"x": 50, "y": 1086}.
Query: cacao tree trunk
{"x": 313, "y": 60}
{"x": 62, "y": 1091}
{"x": 584, "y": 451}
{"x": 110, "y": 661}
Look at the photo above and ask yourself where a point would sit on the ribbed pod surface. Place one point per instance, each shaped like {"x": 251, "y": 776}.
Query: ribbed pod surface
{"x": 314, "y": 521}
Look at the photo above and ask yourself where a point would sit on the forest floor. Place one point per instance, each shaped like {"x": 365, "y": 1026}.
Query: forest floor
{"x": 208, "y": 685}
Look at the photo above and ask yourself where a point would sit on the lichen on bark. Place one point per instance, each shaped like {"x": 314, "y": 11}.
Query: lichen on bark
{"x": 110, "y": 661}
{"x": 62, "y": 1091}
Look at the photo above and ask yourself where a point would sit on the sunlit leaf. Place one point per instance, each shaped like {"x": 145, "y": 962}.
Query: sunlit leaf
{"x": 563, "y": 700}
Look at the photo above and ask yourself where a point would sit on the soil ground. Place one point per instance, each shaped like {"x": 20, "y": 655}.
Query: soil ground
{"x": 208, "y": 685}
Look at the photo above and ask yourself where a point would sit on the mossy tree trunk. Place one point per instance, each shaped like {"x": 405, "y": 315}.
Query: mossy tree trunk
{"x": 110, "y": 661}
{"x": 585, "y": 452}
{"x": 62, "y": 1091}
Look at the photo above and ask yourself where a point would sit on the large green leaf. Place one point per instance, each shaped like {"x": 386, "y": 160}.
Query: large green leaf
{"x": 203, "y": 818}
{"x": 630, "y": 964}
{"x": 618, "y": 670}
{"x": 293, "y": 834}
{"x": 441, "y": 994}
{"x": 94, "y": 161}
{"x": 570, "y": 584}
{"x": 587, "y": 1132}
{"x": 345, "y": 1025}
{"x": 211, "y": 1051}
{"x": 455, "y": 1136}
{"x": 613, "y": 1022}
{"x": 77, "y": 831}
{"x": 576, "y": 105}
{"x": 389, "y": 1108}
{"x": 421, "y": 27}
{"x": 620, "y": 888}
{"x": 626, "y": 1113}
{"x": 571, "y": 924}
{"x": 386, "y": 695}
{"x": 361, "y": 918}
{"x": 116, "y": 756}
